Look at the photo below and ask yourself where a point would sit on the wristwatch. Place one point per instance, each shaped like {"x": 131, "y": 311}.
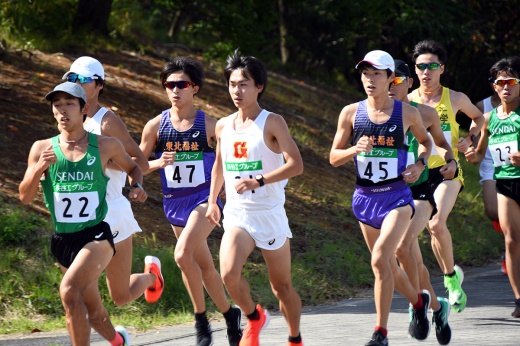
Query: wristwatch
{"x": 260, "y": 179}
{"x": 471, "y": 137}
{"x": 423, "y": 160}
{"x": 456, "y": 162}
{"x": 139, "y": 186}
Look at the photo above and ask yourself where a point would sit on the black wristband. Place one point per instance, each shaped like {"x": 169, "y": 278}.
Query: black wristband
{"x": 456, "y": 162}
{"x": 137, "y": 185}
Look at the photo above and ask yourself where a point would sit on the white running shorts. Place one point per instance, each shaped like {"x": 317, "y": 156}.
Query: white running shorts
{"x": 121, "y": 219}
{"x": 486, "y": 169}
{"x": 269, "y": 229}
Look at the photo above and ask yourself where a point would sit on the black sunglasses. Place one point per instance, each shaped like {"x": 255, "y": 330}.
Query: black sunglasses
{"x": 182, "y": 84}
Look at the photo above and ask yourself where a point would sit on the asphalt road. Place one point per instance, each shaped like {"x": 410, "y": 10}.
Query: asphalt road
{"x": 485, "y": 321}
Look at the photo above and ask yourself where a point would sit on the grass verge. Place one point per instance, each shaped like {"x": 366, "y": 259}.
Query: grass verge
{"x": 330, "y": 262}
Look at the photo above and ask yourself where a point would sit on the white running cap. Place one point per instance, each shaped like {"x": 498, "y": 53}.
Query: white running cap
{"x": 379, "y": 59}
{"x": 87, "y": 67}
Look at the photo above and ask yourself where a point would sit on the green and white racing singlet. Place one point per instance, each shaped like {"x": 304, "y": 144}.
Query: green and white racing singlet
{"x": 75, "y": 191}
{"x": 503, "y": 140}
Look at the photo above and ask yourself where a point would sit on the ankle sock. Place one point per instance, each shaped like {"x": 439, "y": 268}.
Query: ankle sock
{"x": 419, "y": 303}
{"x": 255, "y": 315}
{"x": 382, "y": 330}
{"x": 201, "y": 317}
{"x": 450, "y": 275}
{"x": 228, "y": 314}
{"x": 118, "y": 340}
{"x": 295, "y": 339}
{"x": 438, "y": 309}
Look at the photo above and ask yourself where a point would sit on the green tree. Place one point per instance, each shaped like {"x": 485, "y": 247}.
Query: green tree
{"x": 93, "y": 15}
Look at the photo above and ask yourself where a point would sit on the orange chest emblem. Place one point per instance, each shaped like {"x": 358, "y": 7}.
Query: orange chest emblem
{"x": 240, "y": 150}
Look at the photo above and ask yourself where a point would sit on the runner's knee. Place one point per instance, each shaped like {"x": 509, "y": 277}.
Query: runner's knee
{"x": 438, "y": 228}
{"x": 403, "y": 252}
{"x": 282, "y": 290}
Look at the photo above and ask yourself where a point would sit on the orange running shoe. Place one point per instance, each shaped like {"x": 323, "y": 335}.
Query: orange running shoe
{"x": 251, "y": 336}
{"x": 153, "y": 265}
{"x": 504, "y": 267}
{"x": 496, "y": 226}
{"x": 294, "y": 344}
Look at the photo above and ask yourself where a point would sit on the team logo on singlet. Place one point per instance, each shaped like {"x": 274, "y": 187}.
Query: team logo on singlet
{"x": 240, "y": 150}
{"x": 91, "y": 161}
{"x": 195, "y": 134}
{"x": 392, "y": 129}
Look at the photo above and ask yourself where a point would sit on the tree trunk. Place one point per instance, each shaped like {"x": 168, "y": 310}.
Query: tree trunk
{"x": 284, "y": 52}
{"x": 93, "y": 15}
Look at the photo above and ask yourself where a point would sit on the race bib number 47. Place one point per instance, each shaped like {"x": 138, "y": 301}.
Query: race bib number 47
{"x": 187, "y": 171}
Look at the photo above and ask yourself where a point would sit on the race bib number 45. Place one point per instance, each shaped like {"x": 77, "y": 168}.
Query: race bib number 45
{"x": 187, "y": 171}
{"x": 378, "y": 165}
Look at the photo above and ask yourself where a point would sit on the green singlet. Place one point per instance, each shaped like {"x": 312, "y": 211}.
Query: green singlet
{"x": 75, "y": 191}
{"x": 413, "y": 153}
{"x": 504, "y": 139}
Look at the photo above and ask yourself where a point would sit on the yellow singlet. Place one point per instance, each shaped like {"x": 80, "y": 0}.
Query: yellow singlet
{"x": 450, "y": 129}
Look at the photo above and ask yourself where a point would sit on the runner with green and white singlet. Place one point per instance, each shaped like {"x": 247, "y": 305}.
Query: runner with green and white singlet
{"x": 76, "y": 198}
{"x": 501, "y": 133}
{"x": 71, "y": 168}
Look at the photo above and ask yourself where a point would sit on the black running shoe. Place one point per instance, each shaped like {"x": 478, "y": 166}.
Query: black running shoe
{"x": 440, "y": 322}
{"x": 516, "y": 313}
{"x": 377, "y": 340}
{"x": 234, "y": 332}
{"x": 204, "y": 333}
{"x": 420, "y": 326}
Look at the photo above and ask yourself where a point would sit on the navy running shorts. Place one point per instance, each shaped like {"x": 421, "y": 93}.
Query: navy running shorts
{"x": 178, "y": 209}
{"x": 372, "y": 208}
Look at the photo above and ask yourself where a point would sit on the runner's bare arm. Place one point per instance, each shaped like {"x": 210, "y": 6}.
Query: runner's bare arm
{"x": 277, "y": 129}
{"x": 111, "y": 149}
{"x": 217, "y": 180}
{"x": 462, "y": 103}
{"x": 339, "y": 153}
{"x": 40, "y": 158}
{"x": 477, "y": 155}
{"x": 149, "y": 141}
{"x": 113, "y": 126}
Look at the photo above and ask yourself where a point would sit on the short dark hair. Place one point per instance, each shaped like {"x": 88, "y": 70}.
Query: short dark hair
{"x": 510, "y": 65}
{"x": 365, "y": 64}
{"x": 251, "y": 68}
{"x": 430, "y": 47}
{"x": 190, "y": 66}
{"x": 82, "y": 104}
{"x": 99, "y": 81}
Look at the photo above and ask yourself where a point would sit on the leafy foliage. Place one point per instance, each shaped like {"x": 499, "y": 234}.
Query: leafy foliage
{"x": 323, "y": 38}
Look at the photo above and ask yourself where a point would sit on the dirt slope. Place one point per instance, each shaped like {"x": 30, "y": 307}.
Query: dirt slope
{"x": 133, "y": 91}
